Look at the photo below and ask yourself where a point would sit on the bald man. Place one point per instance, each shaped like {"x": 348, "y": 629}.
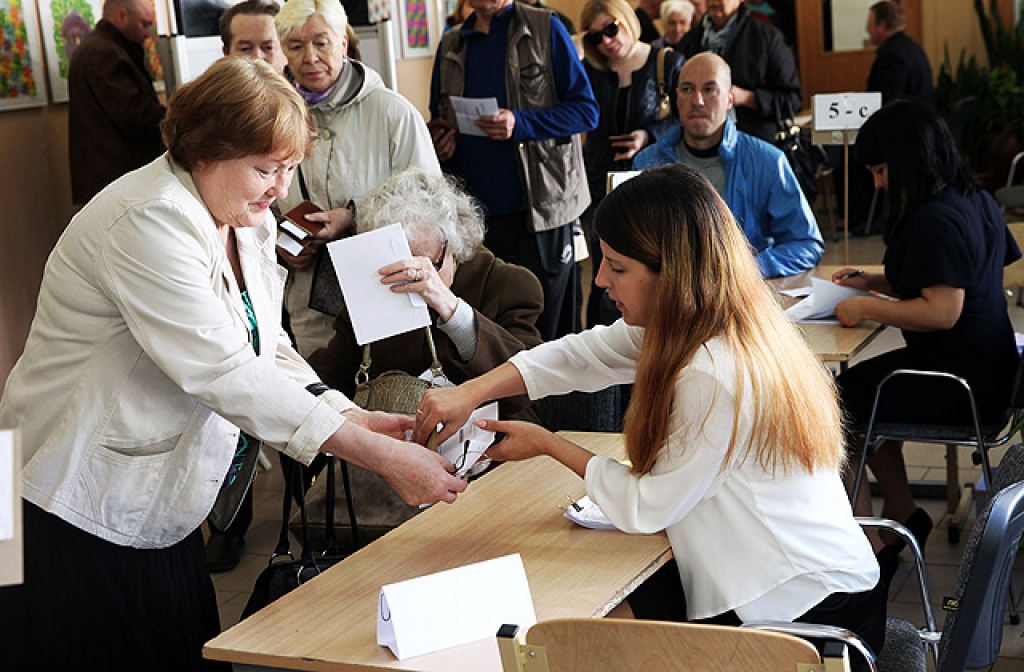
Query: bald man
{"x": 114, "y": 114}
{"x": 752, "y": 176}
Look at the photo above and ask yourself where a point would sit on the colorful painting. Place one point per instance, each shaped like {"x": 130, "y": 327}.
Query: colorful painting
{"x": 416, "y": 32}
{"x": 65, "y": 24}
{"x": 21, "y": 61}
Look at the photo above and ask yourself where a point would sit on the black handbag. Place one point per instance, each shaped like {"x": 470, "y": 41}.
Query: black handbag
{"x": 799, "y": 150}
{"x": 284, "y": 573}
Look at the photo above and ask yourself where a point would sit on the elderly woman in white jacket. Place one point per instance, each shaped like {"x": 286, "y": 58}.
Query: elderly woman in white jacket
{"x": 157, "y": 339}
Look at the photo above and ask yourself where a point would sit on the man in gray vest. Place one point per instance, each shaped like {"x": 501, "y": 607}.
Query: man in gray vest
{"x": 525, "y": 163}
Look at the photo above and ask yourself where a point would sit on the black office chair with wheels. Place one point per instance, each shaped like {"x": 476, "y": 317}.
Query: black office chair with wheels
{"x": 972, "y": 633}
{"x": 982, "y": 437}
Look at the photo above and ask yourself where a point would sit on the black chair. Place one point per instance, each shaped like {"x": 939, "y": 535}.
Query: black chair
{"x": 972, "y": 633}
{"x": 981, "y": 437}
{"x": 599, "y": 411}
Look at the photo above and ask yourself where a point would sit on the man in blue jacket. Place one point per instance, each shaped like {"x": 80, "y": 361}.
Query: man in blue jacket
{"x": 752, "y": 176}
{"x": 525, "y": 163}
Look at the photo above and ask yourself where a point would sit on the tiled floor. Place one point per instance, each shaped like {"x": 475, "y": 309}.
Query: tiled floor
{"x": 924, "y": 463}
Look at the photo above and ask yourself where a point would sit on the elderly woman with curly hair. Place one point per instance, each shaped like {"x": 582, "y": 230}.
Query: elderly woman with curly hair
{"x": 484, "y": 309}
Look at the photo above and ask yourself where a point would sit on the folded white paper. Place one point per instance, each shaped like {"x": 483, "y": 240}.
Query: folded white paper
{"x": 464, "y": 447}
{"x": 588, "y": 515}
{"x": 820, "y": 306}
{"x": 468, "y": 110}
{"x": 376, "y": 312}
{"x": 454, "y": 607}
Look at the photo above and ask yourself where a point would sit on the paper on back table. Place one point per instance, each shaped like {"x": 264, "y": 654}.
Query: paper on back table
{"x": 376, "y": 312}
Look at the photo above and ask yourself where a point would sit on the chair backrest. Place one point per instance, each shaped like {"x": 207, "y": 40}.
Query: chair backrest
{"x": 973, "y": 633}
{"x": 599, "y": 411}
{"x": 613, "y": 645}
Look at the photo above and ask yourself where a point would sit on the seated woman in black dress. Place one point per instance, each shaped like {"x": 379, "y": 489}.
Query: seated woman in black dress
{"x": 946, "y": 246}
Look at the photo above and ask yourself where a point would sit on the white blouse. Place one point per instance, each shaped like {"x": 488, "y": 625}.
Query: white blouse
{"x": 767, "y": 546}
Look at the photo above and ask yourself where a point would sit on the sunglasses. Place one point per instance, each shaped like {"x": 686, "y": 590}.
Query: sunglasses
{"x": 595, "y": 37}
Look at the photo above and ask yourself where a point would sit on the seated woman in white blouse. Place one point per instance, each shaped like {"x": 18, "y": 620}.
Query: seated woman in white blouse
{"x": 733, "y": 433}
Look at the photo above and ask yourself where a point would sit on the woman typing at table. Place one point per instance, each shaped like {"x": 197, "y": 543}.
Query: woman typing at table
{"x": 725, "y": 453}
{"x": 946, "y": 245}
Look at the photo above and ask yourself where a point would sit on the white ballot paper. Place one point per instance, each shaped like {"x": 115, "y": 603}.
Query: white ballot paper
{"x": 464, "y": 447}
{"x": 419, "y": 616}
{"x": 376, "y": 312}
{"x": 468, "y": 110}
{"x": 820, "y": 305}
{"x": 585, "y": 513}
{"x": 6, "y": 485}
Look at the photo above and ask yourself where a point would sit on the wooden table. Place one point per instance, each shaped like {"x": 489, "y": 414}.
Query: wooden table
{"x": 831, "y": 342}
{"x": 330, "y": 623}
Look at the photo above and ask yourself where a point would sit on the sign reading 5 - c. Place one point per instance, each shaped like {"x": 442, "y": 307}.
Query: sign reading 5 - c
{"x": 844, "y": 111}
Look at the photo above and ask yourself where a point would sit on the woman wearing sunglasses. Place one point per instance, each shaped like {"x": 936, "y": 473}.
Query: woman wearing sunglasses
{"x": 623, "y": 73}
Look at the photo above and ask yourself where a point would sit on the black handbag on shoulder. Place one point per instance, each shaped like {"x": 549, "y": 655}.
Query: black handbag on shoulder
{"x": 284, "y": 573}
{"x": 799, "y": 150}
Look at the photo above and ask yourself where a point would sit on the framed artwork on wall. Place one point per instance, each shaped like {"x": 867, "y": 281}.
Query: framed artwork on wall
{"x": 417, "y": 29}
{"x": 21, "y": 59}
{"x": 65, "y": 24}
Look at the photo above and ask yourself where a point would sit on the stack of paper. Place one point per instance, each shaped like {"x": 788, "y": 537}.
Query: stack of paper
{"x": 820, "y": 304}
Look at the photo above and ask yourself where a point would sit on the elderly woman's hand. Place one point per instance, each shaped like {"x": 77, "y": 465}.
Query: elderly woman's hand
{"x": 336, "y": 223}
{"x": 394, "y": 425}
{"x": 419, "y": 275}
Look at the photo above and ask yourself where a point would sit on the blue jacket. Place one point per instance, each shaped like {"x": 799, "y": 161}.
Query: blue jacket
{"x": 763, "y": 194}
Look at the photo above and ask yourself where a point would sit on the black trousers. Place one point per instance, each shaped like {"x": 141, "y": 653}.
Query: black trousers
{"x": 87, "y": 604}
{"x": 662, "y": 598}
{"x": 549, "y": 256}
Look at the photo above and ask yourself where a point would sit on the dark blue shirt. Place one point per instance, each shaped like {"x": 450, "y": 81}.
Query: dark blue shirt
{"x": 488, "y": 167}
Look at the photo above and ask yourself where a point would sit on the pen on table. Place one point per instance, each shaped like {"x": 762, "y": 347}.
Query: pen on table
{"x": 851, "y": 274}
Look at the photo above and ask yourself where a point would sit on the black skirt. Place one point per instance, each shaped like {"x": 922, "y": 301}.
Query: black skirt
{"x": 88, "y": 604}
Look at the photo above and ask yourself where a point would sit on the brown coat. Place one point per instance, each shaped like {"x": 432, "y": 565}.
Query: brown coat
{"x": 506, "y": 299}
{"x": 114, "y": 114}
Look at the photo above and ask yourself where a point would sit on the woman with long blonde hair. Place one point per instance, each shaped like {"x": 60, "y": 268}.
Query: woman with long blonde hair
{"x": 733, "y": 432}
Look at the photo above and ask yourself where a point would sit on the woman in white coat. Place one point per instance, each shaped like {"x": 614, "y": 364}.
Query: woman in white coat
{"x": 157, "y": 338}
{"x": 733, "y": 432}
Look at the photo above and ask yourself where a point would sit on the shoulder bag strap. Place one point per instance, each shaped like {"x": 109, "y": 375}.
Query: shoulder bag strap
{"x": 661, "y": 71}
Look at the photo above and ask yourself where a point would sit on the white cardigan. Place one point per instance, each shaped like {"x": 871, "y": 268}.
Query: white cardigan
{"x": 769, "y": 547}
{"x": 138, "y": 370}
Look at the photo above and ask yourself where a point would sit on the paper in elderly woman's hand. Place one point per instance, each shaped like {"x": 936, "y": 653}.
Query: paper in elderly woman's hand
{"x": 376, "y": 312}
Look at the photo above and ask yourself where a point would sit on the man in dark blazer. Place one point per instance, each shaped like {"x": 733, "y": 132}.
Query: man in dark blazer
{"x": 901, "y": 68}
{"x": 114, "y": 114}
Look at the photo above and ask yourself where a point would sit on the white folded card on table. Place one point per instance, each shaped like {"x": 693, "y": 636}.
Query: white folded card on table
{"x": 376, "y": 312}
{"x": 454, "y": 607}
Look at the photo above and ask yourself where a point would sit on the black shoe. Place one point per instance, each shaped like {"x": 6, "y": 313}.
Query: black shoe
{"x": 888, "y": 562}
{"x": 920, "y": 525}
{"x": 223, "y": 552}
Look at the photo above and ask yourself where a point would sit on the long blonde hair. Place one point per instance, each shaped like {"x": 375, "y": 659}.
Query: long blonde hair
{"x": 672, "y": 220}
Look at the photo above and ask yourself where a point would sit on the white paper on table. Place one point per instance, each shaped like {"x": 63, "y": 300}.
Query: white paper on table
{"x": 820, "y": 306}
{"x": 588, "y": 515}
{"x": 6, "y": 485}
{"x": 376, "y": 312}
{"x": 468, "y": 110}
{"x": 454, "y": 607}
{"x": 464, "y": 447}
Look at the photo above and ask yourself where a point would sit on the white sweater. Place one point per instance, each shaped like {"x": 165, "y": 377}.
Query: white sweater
{"x": 768, "y": 547}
